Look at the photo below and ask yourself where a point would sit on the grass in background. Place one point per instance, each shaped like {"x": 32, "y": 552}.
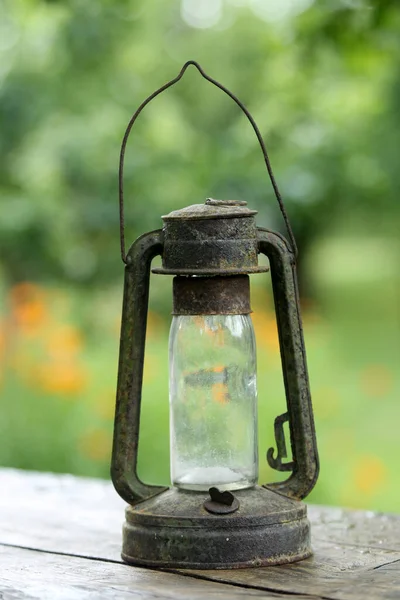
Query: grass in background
{"x": 59, "y": 366}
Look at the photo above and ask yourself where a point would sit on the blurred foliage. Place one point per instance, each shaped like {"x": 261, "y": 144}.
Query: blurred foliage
{"x": 322, "y": 80}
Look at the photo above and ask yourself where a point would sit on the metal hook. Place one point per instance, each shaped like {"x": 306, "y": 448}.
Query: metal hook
{"x": 253, "y": 124}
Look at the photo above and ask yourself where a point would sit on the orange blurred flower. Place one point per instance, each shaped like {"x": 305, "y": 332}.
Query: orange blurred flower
{"x": 2, "y": 342}
{"x": 29, "y": 307}
{"x": 266, "y": 331}
{"x": 155, "y": 325}
{"x": 61, "y": 378}
{"x": 220, "y": 393}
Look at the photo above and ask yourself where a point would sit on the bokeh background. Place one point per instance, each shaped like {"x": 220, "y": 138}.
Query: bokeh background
{"x": 323, "y": 82}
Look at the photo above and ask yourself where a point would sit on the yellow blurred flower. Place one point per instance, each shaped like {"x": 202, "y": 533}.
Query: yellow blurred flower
{"x": 369, "y": 473}
{"x": 64, "y": 341}
{"x": 151, "y": 368}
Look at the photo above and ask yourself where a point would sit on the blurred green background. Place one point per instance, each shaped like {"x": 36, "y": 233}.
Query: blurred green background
{"x": 322, "y": 80}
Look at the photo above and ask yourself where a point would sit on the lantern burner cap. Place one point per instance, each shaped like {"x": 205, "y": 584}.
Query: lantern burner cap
{"x": 213, "y": 202}
{"x": 221, "y": 503}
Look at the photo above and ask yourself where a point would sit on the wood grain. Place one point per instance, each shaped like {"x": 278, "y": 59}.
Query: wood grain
{"x": 356, "y": 553}
{"x": 355, "y": 527}
{"x": 333, "y": 572}
{"x": 29, "y": 574}
{"x": 74, "y": 515}
{"x": 356, "y": 556}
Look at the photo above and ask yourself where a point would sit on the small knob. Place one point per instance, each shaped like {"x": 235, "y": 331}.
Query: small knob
{"x": 221, "y": 503}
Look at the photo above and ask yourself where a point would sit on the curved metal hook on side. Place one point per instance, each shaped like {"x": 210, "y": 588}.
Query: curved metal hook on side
{"x": 253, "y": 124}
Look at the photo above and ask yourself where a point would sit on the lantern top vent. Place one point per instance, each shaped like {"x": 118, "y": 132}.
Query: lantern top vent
{"x": 215, "y": 238}
{"x": 212, "y": 209}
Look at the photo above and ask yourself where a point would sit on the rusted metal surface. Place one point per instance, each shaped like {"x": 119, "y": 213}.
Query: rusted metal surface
{"x": 305, "y": 464}
{"x": 211, "y": 209}
{"x": 211, "y": 295}
{"x": 174, "y": 529}
{"x": 215, "y": 202}
{"x": 130, "y": 370}
{"x": 276, "y": 462}
{"x": 210, "y": 239}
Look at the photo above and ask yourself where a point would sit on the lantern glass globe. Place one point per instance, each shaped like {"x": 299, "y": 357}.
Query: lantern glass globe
{"x": 213, "y": 402}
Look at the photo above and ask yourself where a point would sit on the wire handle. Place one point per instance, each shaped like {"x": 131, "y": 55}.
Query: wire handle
{"x": 256, "y": 131}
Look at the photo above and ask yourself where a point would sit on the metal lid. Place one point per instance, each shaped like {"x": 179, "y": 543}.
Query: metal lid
{"x": 212, "y": 209}
{"x": 215, "y": 238}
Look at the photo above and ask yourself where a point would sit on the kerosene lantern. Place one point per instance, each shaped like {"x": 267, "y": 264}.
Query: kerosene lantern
{"x": 215, "y": 515}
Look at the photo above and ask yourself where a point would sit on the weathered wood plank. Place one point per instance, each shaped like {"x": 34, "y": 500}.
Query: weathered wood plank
{"x": 356, "y": 556}
{"x": 334, "y": 572}
{"x": 63, "y": 513}
{"x": 29, "y": 575}
{"x": 83, "y": 517}
{"x": 355, "y": 527}
{"x": 36, "y": 505}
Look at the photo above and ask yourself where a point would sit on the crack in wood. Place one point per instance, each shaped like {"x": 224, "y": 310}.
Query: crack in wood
{"x": 391, "y": 562}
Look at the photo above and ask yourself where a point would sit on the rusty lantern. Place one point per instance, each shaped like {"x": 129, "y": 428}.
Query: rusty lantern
{"x": 215, "y": 515}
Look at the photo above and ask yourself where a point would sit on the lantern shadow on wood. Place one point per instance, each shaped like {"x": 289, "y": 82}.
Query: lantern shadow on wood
{"x": 214, "y": 515}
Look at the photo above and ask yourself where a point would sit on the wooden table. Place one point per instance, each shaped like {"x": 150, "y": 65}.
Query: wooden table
{"x": 60, "y": 538}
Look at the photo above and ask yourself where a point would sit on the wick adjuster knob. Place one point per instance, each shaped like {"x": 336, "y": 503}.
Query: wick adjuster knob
{"x": 221, "y": 503}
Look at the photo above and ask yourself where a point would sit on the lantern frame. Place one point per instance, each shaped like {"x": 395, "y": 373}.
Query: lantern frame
{"x": 172, "y": 527}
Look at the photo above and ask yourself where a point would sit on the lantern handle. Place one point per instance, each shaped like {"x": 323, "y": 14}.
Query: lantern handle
{"x": 256, "y": 131}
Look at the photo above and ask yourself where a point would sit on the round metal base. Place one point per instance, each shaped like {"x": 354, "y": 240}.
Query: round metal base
{"x": 173, "y": 529}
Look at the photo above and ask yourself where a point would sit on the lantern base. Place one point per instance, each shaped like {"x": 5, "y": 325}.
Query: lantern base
{"x": 173, "y": 529}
